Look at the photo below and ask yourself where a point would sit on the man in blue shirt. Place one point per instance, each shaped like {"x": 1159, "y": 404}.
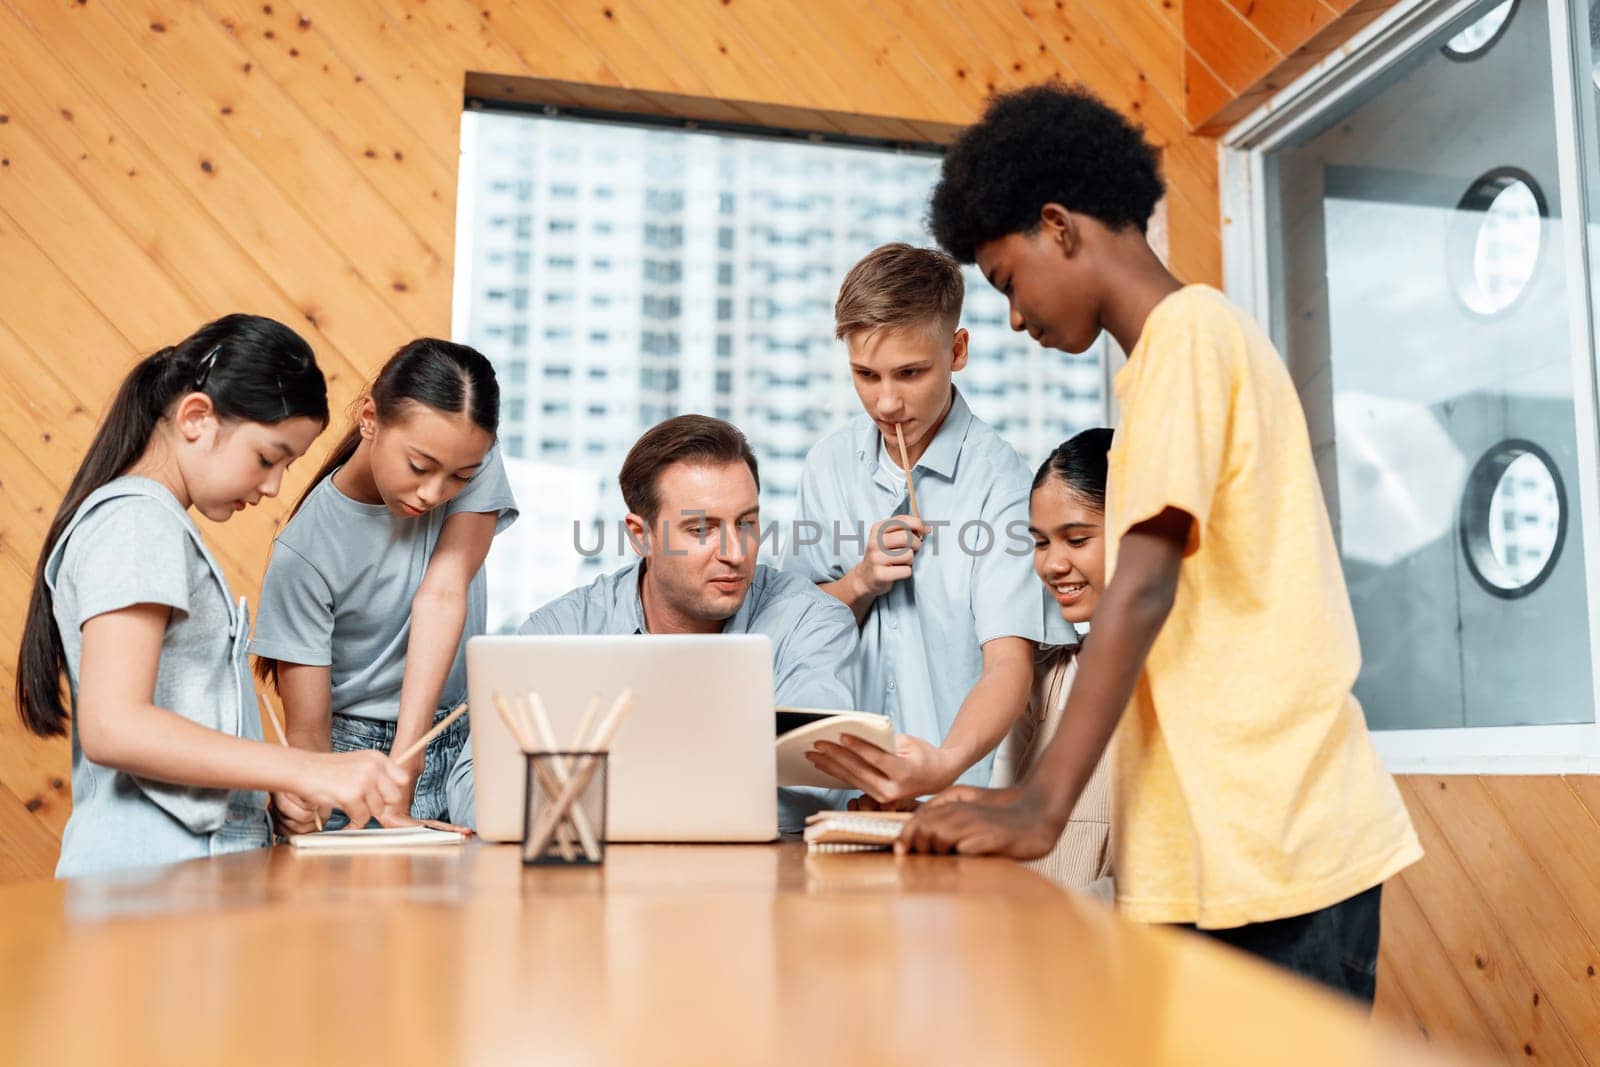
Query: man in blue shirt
{"x": 950, "y": 610}
{"x": 691, "y": 486}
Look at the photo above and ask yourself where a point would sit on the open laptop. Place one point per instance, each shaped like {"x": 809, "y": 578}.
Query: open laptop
{"x": 693, "y": 762}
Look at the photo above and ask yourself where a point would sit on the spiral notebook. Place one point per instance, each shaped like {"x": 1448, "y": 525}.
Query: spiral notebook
{"x": 854, "y": 831}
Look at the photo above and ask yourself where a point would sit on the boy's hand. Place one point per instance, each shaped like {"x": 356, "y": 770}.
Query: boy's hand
{"x": 866, "y": 803}
{"x": 971, "y": 794}
{"x": 891, "y": 550}
{"x": 1018, "y": 828}
{"x": 915, "y": 768}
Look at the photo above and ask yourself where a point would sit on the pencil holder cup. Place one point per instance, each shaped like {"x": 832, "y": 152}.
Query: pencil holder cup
{"x": 564, "y": 809}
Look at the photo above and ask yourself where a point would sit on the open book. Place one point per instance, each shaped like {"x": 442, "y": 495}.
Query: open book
{"x": 853, "y": 831}
{"x": 386, "y": 837}
{"x": 800, "y": 728}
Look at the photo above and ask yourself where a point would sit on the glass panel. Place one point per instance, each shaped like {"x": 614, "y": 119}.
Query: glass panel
{"x": 618, "y": 275}
{"x": 1422, "y": 307}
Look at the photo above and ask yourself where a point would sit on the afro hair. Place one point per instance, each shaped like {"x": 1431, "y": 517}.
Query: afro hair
{"x": 1047, "y": 143}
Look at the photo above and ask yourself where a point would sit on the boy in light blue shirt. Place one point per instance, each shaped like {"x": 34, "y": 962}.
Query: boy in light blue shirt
{"x": 949, "y": 607}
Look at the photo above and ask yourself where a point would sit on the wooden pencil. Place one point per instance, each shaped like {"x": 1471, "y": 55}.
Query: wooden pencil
{"x": 585, "y": 773}
{"x": 563, "y": 773}
{"x": 905, "y": 463}
{"x": 529, "y": 746}
{"x": 426, "y": 739}
{"x": 283, "y": 739}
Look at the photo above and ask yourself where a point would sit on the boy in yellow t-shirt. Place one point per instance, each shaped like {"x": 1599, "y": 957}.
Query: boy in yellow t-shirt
{"x": 1249, "y": 801}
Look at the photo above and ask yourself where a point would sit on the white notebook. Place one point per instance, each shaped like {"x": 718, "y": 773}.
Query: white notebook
{"x": 854, "y": 831}
{"x": 801, "y": 728}
{"x": 387, "y": 837}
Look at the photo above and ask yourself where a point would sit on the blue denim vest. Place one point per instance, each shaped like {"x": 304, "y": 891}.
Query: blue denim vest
{"x": 120, "y": 820}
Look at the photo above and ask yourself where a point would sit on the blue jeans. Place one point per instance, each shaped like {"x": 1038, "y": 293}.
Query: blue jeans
{"x": 352, "y": 734}
{"x": 1336, "y": 946}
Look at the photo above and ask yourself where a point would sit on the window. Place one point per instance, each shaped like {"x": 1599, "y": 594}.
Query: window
{"x": 720, "y": 278}
{"x": 1444, "y": 350}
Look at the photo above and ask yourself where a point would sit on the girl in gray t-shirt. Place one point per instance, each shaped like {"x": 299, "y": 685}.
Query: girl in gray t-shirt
{"x": 377, "y": 580}
{"x": 129, "y": 604}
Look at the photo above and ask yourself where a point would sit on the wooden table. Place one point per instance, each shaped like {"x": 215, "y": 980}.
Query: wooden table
{"x": 687, "y": 954}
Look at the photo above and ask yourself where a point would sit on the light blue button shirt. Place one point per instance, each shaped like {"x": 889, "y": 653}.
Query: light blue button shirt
{"x": 814, "y": 646}
{"x": 972, "y": 581}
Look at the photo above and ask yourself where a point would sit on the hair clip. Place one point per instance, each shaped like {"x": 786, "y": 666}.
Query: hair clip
{"x": 207, "y": 361}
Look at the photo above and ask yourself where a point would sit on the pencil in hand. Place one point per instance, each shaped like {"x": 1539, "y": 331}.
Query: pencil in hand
{"x": 905, "y": 463}
{"x": 283, "y": 739}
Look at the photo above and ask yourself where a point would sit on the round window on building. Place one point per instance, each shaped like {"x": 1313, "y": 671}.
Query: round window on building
{"x": 1480, "y": 34}
{"x": 1495, "y": 238}
{"x": 1513, "y": 518}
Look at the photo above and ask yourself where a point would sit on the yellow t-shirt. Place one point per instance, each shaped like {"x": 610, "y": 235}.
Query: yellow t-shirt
{"x": 1246, "y": 785}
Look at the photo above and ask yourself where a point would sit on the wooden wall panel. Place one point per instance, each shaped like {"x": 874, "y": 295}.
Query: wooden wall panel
{"x": 1491, "y": 940}
{"x": 1240, "y": 52}
{"x": 167, "y": 161}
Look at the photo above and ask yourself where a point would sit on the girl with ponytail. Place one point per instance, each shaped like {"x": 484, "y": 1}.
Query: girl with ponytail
{"x": 377, "y": 580}
{"x": 130, "y": 606}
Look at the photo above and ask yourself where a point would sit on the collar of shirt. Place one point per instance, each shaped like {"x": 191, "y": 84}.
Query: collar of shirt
{"x": 628, "y": 600}
{"x": 942, "y": 452}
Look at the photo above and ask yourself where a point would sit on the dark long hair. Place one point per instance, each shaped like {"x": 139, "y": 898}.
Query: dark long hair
{"x": 449, "y": 378}
{"x": 252, "y": 368}
{"x": 1080, "y": 463}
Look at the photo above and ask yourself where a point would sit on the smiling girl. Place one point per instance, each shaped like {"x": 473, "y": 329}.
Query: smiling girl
{"x": 1066, "y": 518}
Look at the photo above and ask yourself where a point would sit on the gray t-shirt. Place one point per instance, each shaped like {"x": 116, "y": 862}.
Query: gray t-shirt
{"x": 339, "y": 587}
{"x": 131, "y": 542}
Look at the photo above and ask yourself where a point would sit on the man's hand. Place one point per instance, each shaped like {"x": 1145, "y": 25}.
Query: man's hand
{"x": 915, "y": 768}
